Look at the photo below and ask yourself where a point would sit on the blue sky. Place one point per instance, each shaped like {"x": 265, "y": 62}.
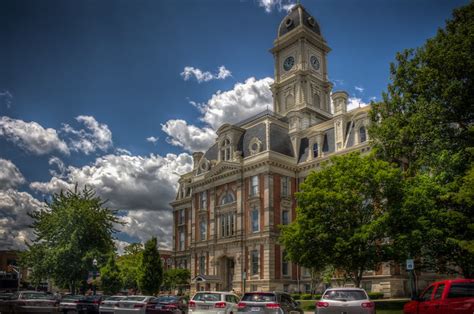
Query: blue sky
{"x": 116, "y": 94}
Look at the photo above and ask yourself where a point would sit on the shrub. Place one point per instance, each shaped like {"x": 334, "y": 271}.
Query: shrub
{"x": 306, "y": 296}
{"x": 296, "y": 296}
{"x": 375, "y": 295}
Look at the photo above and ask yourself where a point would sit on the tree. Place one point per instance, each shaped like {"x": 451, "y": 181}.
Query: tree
{"x": 342, "y": 215}
{"x": 129, "y": 265}
{"x": 176, "y": 278}
{"x": 72, "y": 230}
{"x": 151, "y": 270}
{"x": 425, "y": 124}
{"x": 110, "y": 281}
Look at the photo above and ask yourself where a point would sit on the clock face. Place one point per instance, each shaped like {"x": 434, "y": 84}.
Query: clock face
{"x": 288, "y": 63}
{"x": 314, "y": 62}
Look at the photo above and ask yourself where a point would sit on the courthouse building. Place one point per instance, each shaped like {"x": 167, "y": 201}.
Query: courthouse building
{"x": 229, "y": 208}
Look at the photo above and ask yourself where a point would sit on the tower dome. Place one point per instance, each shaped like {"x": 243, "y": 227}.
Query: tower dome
{"x": 298, "y": 16}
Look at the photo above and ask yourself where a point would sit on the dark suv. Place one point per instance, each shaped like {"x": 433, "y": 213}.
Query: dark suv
{"x": 268, "y": 303}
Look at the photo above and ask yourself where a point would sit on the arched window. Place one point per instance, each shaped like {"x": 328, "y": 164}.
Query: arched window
{"x": 228, "y": 198}
{"x": 362, "y": 134}
{"x": 226, "y": 150}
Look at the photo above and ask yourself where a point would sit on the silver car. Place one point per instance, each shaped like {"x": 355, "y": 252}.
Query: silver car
{"x": 68, "y": 303}
{"x": 108, "y": 305}
{"x": 214, "y": 302}
{"x": 268, "y": 303}
{"x": 134, "y": 304}
{"x": 345, "y": 301}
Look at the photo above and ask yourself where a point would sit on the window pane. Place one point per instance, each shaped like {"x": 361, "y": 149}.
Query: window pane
{"x": 255, "y": 220}
{"x": 439, "y": 292}
{"x": 315, "y": 150}
{"x": 461, "y": 290}
{"x": 285, "y": 217}
{"x": 254, "y": 262}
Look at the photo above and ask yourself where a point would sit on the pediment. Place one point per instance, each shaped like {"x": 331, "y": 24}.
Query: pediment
{"x": 222, "y": 167}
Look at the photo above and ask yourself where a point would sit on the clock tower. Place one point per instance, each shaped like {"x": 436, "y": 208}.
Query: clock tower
{"x": 301, "y": 90}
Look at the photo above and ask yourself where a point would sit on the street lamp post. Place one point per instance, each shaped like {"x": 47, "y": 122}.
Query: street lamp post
{"x": 94, "y": 271}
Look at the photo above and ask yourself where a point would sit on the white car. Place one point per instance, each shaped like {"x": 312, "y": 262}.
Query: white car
{"x": 134, "y": 304}
{"x": 345, "y": 300}
{"x": 213, "y": 302}
{"x": 108, "y": 305}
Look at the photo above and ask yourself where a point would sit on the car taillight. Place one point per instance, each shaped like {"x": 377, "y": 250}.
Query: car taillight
{"x": 322, "y": 304}
{"x": 192, "y": 304}
{"x": 241, "y": 305}
{"x": 220, "y": 305}
{"x": 272, "y": 306}
{"x": 170, "y": 306}
{"x": 138, "y": 305}
{"x": 368, "y": 305}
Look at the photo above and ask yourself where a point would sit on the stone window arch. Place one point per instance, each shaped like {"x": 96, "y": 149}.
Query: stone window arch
{"x": 227, "y": 198}
{"x": 255, "y": 146}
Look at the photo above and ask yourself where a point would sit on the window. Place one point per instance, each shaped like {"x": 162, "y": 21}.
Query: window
{"x": 315, "y": 150}
{"x": 181, "y": 238}
{"x": 286, "y": 288}
{"x": 461, "y": 290}
{"x": 228, "y": 198}
{"x": 439, "y": 292}
{"x": 203, "y": 200}
{"x": 284, "y": 264}
{"x": 426, "y": 296}
{"x": 255, "y": 219}
{"x": 285, "y": 186}
{"x": 202, "y": 265}
{"x": 226, "y": 150}
{"x": 202, "y": 229}
{"x": 227, "y": 224}
{"x": 325, "y": 144}
{"x": 254, "y": 262}
{"x": 254, "y": 186}
{"x": 307, "y": 288}
{"x": 181, "y": 216}
{"x": 285, "y": 217}
{"x": 362, "y": 134}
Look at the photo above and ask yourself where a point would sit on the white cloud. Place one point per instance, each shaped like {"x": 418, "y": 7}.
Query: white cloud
{"x": 10, "y": 175}
{"x": 122, "y": 151}
{"x": 94, "y": 136}
{"x": 280, "y": 5}
{"x": 354, "y": 102}
{"x": 337, "y": 82}
{"x": 190, "y": 137}
{"x": 59, "y": 164}
{"x": 205, "y": 76}
{"x": 360, "y": 89}
{"x": 242, "y": 101}
{"x": 14, "y": 219}
{"x": 6, "y": 98}
{"x": 152, "y": 139}
{"x": 141, "y": 186}
{"x": 31, "y": 137}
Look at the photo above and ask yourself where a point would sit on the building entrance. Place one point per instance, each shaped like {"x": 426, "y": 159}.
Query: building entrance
{"x": 227, "y": 272}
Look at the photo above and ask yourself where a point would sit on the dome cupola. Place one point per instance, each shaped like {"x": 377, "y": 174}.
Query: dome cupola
{"x": 298, "y": 16}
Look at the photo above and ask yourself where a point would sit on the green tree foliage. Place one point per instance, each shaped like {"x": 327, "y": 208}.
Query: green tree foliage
{"x": 425, "y": 123}
{"x": 151, "y": 270}
{"x": 129, "y": 265}
{"x": 342, "y": 215}
{"x": 110, "y": 280}
{"x": 176, "y": 278}
{"x": 72, "y": 230}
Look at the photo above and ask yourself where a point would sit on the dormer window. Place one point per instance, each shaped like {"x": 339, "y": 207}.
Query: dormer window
{"x": 362, "y": 134}
{"x": 226, "y": 150}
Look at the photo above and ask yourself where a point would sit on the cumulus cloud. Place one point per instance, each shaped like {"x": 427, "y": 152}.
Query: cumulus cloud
{"x": 10, "y": 175}
{"x": 14, "y": 221}
{"x": 93, "y": 137}
{"x": 189, "y": 137}
{"x": 60, "y": 167}
{"x": 205, "y": 76}
{"x": 31, "y": 137}
{"x": 354, "y": 102}
{"x": 140, "y": 186}
{"x": 280, "y": 5}
{"x": 152, "y": 139}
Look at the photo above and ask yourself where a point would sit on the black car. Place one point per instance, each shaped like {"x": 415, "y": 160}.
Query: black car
{"x": 89, "y": 304}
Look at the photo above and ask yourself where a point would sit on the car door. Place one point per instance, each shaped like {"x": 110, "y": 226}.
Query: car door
{"x": 425, "y": 300}
{"x": 436, "y": 301}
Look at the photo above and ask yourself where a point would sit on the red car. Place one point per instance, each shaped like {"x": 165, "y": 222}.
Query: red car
{"x": 444, "y": 297}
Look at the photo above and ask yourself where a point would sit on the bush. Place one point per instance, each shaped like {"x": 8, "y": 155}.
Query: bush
{"x": 306, "y": 296}
{"x": 296, "y": 296}
{"x": 309, "y": 307}
{"x": 375, "y": 295}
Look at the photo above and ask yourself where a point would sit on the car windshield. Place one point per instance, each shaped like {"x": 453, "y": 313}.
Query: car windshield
{"x": 36, "y": 295}
{"x": 211, "y": 297}
{"x": 259, "y": 297}
{"x": 118, "y": 298}
{"x": 345, "y": 295}
{"x": 138, "y": 299}
{"x": 71, "y": 298}
{"x": 168, "y": 299}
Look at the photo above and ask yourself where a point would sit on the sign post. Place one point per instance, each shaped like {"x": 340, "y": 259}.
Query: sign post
{"x": 410, "y": 267}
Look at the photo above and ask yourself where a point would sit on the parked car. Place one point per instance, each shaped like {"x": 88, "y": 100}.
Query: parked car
{"x": 268, "y": 302}
{"x": 68, "y": 303}
{"x": 32, "y": 302}
{"x": 345, "y": 300}
{"x": 168, "y": 304}
{"x": 213, "y": 302}
{"x": 108, "y": 305}
{"x": 89, "y": 304}
{"x": 134, "y": 304}
{"x": 444, "y": 297}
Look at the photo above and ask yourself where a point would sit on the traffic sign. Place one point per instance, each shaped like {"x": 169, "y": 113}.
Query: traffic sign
{"x": 410, "y": 264}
